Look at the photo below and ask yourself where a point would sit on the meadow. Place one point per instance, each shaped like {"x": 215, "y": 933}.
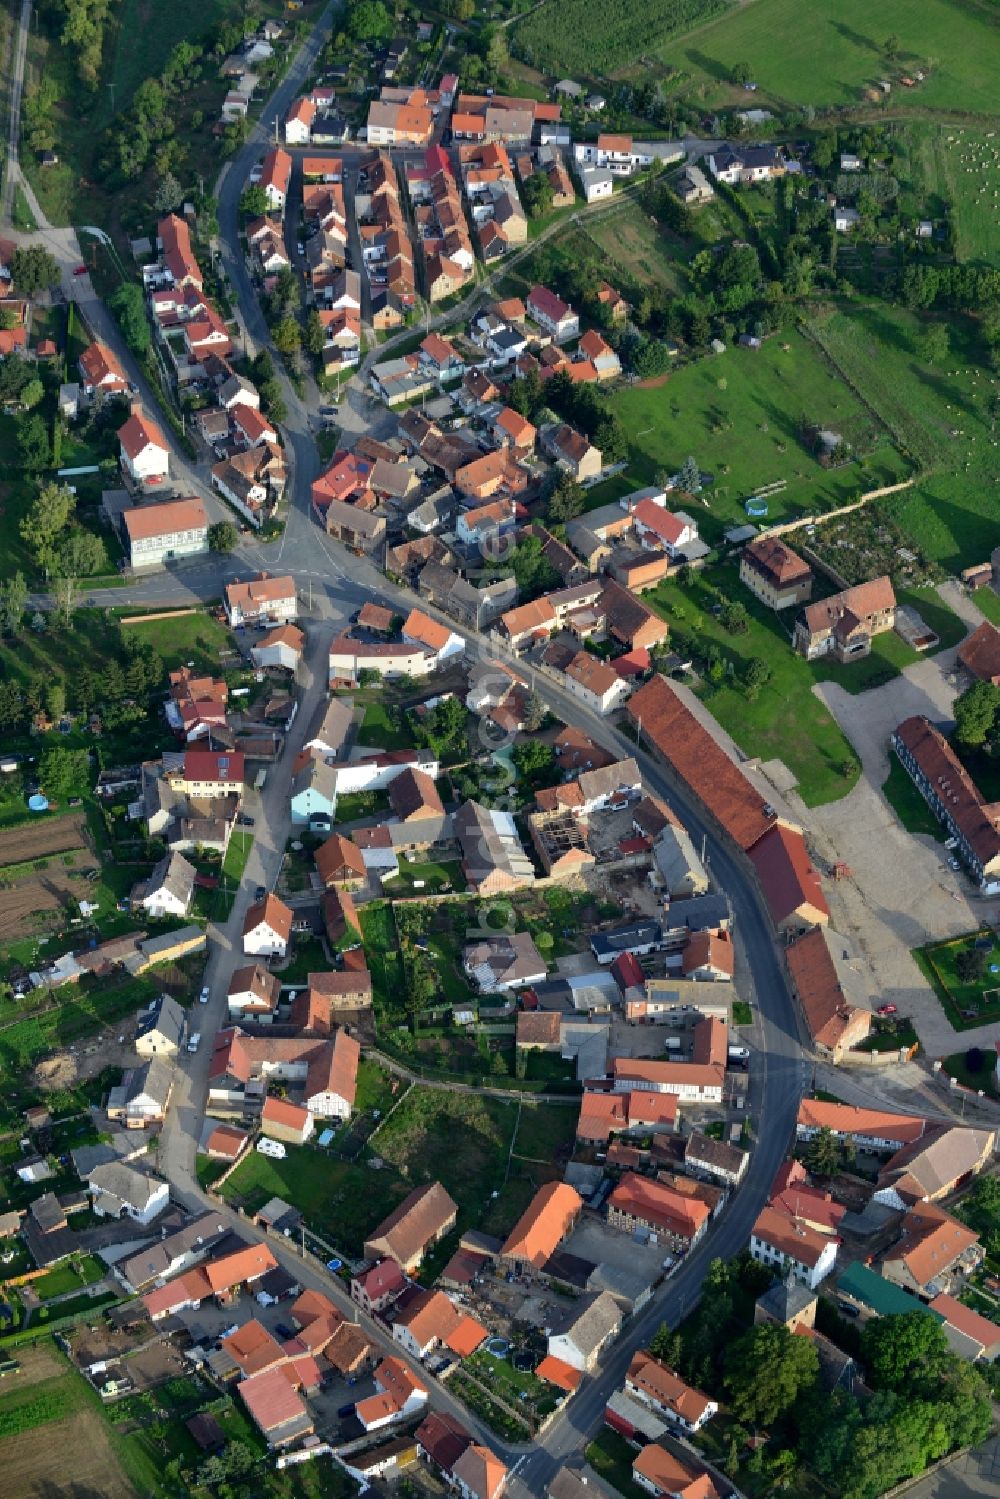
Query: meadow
{"x": 840, "y": 51}
{"x": 739, "y": 415}
{"x": 944, "y": 415}
{"x": 946, "y": 169}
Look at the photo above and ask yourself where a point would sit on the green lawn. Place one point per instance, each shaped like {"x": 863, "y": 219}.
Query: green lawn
{"x": 832, "y": 57}
{"x": 545, "y": 1130}
{"x": 378, "y": 931}
{"x": 739, "y": 415}
{"x": 339, "y": 1199}
{"x": 914, "y": 814}
{"x": 434, "y": 877}
{"x": 237, "y": 855}
{"x": 987, "y": 601}
{"x": 308, "y": 957}
{"x": 932, "y": 171}
{"x": 941, "y": 415}
{"x": 386, "y": 726}
{"x": 786, "y": 721}
{"x": 64, "y": 1278}
{"x": 611, "y": 1457}
{"x": 198, "y": 637}
{"x": 938, "y": 961}
{"x": 742, "y": 1012}
{"x": 357, "y": 804}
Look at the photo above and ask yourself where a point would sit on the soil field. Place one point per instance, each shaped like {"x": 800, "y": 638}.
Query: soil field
{"x": 36, "y": 840}
{"x": 26, "y": 903}
{"x": 74, "y": 1460}
{"x": 37, "y": 1362}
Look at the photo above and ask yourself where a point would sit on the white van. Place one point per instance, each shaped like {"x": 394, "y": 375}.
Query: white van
{"x": 194, "y": 1041}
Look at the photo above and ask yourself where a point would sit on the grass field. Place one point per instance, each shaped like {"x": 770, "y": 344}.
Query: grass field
{"x": 988, "y": 603}
{"x": 830, "y": 60}
{"x": 739, "y": 416}
{"x": 638, "y": 248}
{"x": 786, "y": 721}
{"x": 967, "y": 1003}
{"x": 915, "y": 816}
{"x": 435, "y": 877}
{"x": 387, "y": 728}
{"x": 942, "y": 415}
{"x": 459, "y": 1139}
{"x": 944, "y": 169}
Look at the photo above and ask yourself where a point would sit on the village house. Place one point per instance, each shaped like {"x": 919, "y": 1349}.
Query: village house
{"x": 666, "y": 1476}
{"x": 101, "y": 371}
{"x": 830, "y": 991}
{"x": 145, "y": 456}
{"x": 931, "y": 1168}
{"x": 613, "y": 153}
{"x": 788, "y": 1246}
{"x": 979, "y": 654}
{"x": 952, "y": 795}
{"x": 933, "y": 1248}
{"x": 493, "y": 858}
{"x": 638, "y": 1202}
{"x": 504, "y": 962}
{"x": 542, "y": 1227}
{"x": 790, "y": 882}
{"x": 871, "y": 1130}
{"x": 554, "y": 316}
{"x": 267, "y": 928}
{"x": 120, "y": 1191}
{"x": 253, "y": 993}
{"x": 586, "y": 1330}
{"x": 738, "y": 164}
{"x": 264, "y": 599}
{"x": 375, "y": 1288}
{"x": 572, "y": 452}
{"x": 420, "y": 1221}
{"x": 705, "y": 1156}
{"x": 156, "y": 534}
{"x": 654, "y": 1384}
{"x": 595, "y": 683}
{"x": 168, "y": 890}
{"x": 289, "y": 1122}
{"x": 324, "y": 1070}
{"x": 775, "y": 574}
{"x": 276, "y": 175}
{"x": 845, "y": 624}
{"x": 160, "y": 1029}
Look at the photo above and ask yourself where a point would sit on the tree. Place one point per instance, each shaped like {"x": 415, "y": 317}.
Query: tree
{"x": 535, "y": 760}
{"x": 168, "y": 193}
{"x": 538, "y": 194}
{"x": 566, "y": 500}
{"x": 33, "y": 447}
{"x": 689, "y": 476}
{"x": 898, "y": 1348}
{"x": 13, "y": 602}
{"x": 741, "y": 73}
{"x": 315, "y": 334}
{"x": 11, "y": 705}
{"x": 756, "y": 676}
{"x": 81, "y": 554}
{"x": 891, "y": 47}
{"x": 55, "y": 699}
{"x": 934, "y": 344}
{"x": 445, "y": 725}
{"x": 286, "y": 335}
{"x": 976, "y": 714}
{"x": 66, "y": 594}
{"x": 368, "y": 21}
{"x": 33, "y": 269}
{"x": 766, "y": 1371}
{"x": 611, "y": 437}
{"x": 823, "y": 1153}
{"x": 223, "y": 536}
{"x": 45, "y": 523}
{"x": 735, "y": 617}
{"x": 253, "y": 202}
{"x": 974, "y": 1059}
{"x": 32, "y": 394}
{"x": 130, "y": 310}
{"x": 61, "y": 771}
{"x": 534, "y": 713}
{"x": 970, "y": 964}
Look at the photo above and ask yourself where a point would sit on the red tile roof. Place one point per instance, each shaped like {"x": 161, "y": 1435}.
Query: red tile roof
{"x": 791, "y": 884}
{"x": 693, "y": 754}
{"x": 544, "y": 1224}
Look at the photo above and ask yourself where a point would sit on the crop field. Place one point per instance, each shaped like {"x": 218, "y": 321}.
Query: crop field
{"x": 739, "y": 416}
{"x": 53, "y": 1428}
{"x": 591, "y": 40}
{"x": 944, "y": 415}
{"x": 840, "y": 51}
{"x": 36, "y": 840}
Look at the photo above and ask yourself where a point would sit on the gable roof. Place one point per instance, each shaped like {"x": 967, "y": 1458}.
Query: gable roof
{"x": 862, "y": 601}
{"x": 828, "y": 1006}
{"x": 338, "y": 858}
{"x": 930, "y": 1241}
{"x": 790, "y": 882}
{"x": 842, "y": 1118}
{"x": 414, "y": 795}
{"x": 139, "y": 433}
{"x": 409, "y": 1228}
{"x": 481, "y": 1472}
{"x": 980, "y": 653}
{"x": 272, "y": 912}
{"x": 544, "y": 1224}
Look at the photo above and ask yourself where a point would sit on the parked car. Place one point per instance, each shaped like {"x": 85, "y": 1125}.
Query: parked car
{"x": 953, "y": 863}
{"x": 244, "y": 821}
{"x": 80, "y": 270}
{"x": 260, "y": 893}
{"x": 205, "y": 995}
{"x": 886, "y": 1010}
{"x": 195, "y": 1041}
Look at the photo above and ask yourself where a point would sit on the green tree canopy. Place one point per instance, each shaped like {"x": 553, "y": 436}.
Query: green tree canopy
{"x": 33, "y": 269}
{"x": 44, "y": 527}
{"x": 976, "y": 714}
{"x": 766, "y": 1371}
{"x": 223, "y": 536}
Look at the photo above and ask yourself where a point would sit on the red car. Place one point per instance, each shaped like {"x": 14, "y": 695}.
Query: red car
{"x": 887, "y": 1009}
{"x": 81, "y": 270}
